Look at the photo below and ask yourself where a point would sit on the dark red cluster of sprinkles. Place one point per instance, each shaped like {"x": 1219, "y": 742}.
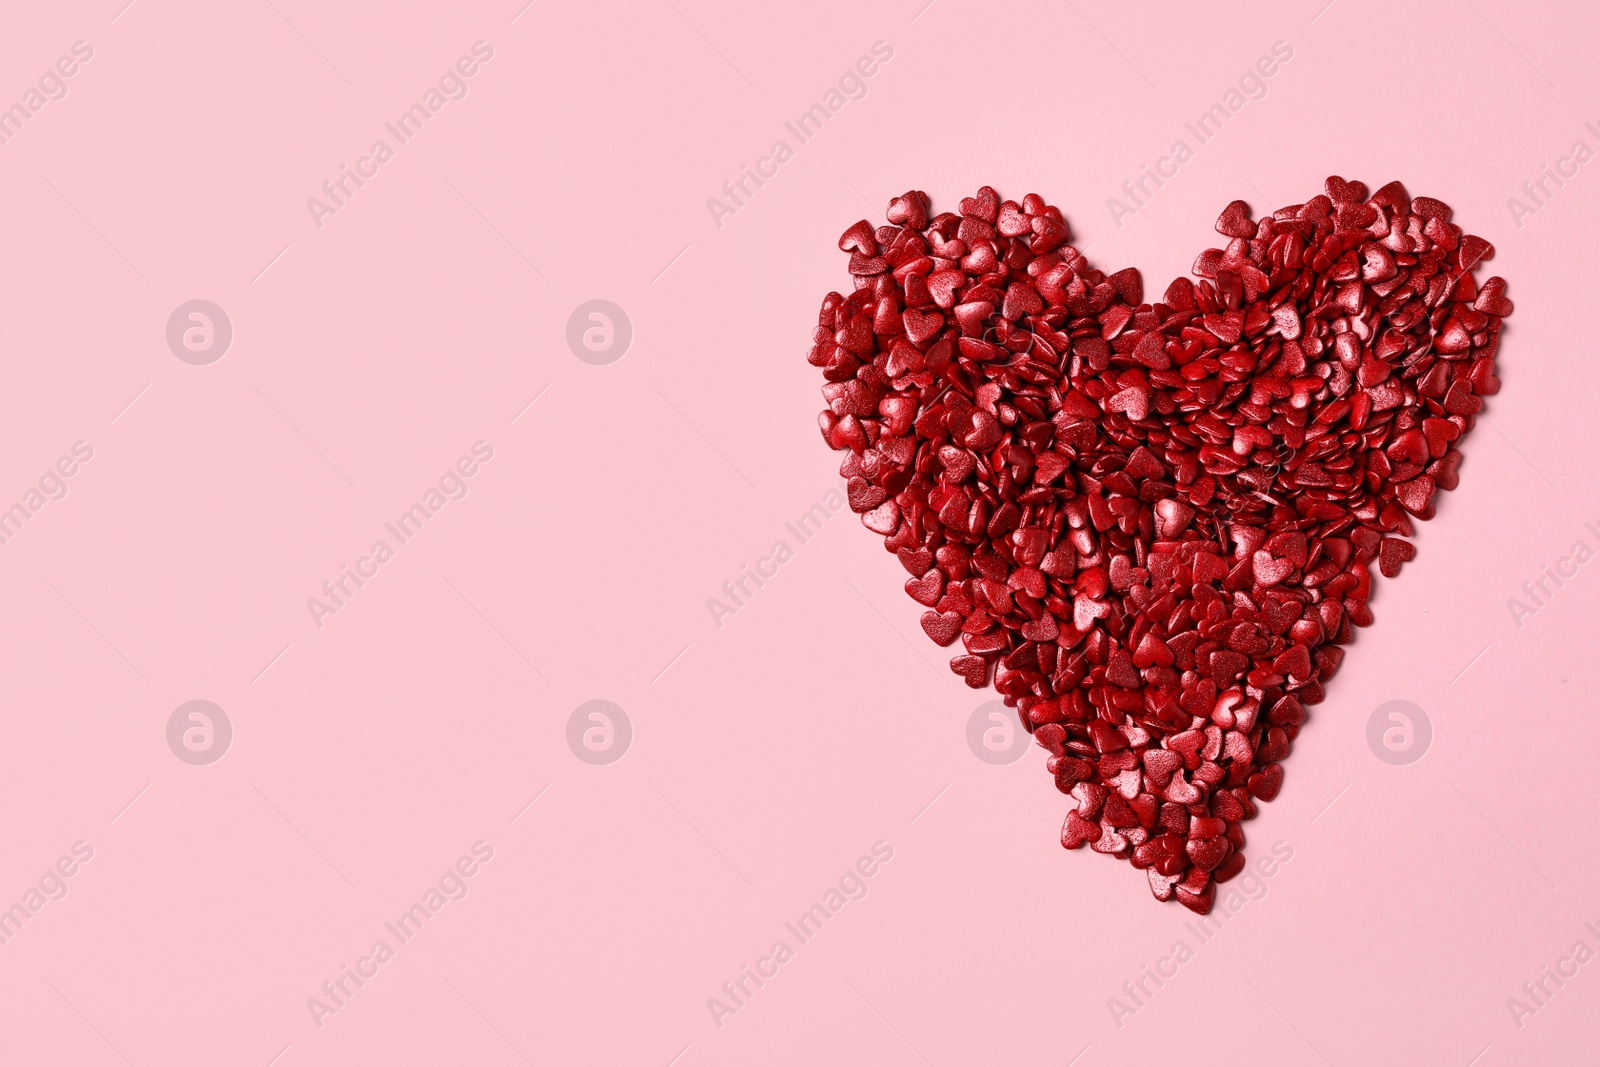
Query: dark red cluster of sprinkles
{"x": 1152, "y": 525}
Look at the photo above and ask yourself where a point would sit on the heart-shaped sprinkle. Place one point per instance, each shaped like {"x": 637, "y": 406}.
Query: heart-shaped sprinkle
{"x": 1393, "y": 552}
{"x": 983, "y": 206}
{"x": 1153, "y": 526}
{"x": 1206, "y": 854}
{"x": 859, "y": 238}
{"x": 1343, "y": 192}
{"x": 921, "y": 326}
{"x": 863, "y": 495}
{"x": 882, "y": 519}
{"x": 915, "y": 561}
{"x": 927, "y": 589}
{"x": 910, "y": 210}
{"x": 1077, "y": 830}
{"x": 1265, "y": 785}
{"x": 1233, "y": 222}
{"x": 943, "y": 626}
{"x": 974, "y": 669}
{"x": 1492, "y": 298}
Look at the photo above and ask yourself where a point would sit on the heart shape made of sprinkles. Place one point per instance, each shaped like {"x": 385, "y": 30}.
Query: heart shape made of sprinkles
{"x": 1152, "y": 525}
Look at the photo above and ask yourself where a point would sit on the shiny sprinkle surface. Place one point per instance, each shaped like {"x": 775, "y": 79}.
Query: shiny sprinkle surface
{"x": 1152, "y": 527}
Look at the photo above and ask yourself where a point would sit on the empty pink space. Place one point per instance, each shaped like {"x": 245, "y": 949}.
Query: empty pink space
{"x": 434, "y": 630}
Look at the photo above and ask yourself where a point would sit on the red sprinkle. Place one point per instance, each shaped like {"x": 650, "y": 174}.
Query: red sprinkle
{"x": 1152, "y": 525}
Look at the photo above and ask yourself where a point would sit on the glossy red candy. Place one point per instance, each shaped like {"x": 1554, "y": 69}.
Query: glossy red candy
{"x": 1153, "y": 526}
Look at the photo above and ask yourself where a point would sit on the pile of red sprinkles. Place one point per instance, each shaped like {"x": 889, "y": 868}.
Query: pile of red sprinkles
{"x": 1152, "y": 525}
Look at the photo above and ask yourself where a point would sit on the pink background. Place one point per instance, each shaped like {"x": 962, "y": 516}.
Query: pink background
{"x": 772, "y": 752}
